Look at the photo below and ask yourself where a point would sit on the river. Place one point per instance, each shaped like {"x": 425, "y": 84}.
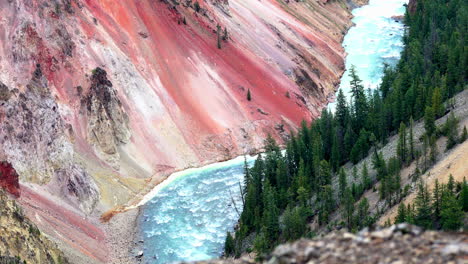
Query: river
{"x": 187, "y": 217}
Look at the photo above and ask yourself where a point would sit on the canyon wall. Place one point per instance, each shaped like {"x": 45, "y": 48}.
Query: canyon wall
{"x": 96, "y": 97}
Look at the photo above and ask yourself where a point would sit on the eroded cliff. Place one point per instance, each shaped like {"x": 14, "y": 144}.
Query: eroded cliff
{"x": 98, "y": 96}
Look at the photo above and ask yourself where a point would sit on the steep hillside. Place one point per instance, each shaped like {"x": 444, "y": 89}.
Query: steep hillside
{"x": 99, "y": 99}
{"x": 21, "y": 240}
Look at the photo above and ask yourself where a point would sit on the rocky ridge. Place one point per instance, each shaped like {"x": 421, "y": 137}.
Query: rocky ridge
{"x": 400, "y": 243}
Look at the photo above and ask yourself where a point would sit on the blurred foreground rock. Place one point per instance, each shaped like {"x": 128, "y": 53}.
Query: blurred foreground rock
{"x": 398, "y": 244}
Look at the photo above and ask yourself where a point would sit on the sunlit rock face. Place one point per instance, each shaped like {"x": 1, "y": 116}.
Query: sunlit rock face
{"x": 185, "y": 99}
{"x": 107, "y": 121}
{"x": 140, "y": 88}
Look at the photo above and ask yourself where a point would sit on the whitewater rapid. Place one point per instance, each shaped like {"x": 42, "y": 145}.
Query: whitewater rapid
{"x": 375, "y": 39}
{"x": 186, "y": 217}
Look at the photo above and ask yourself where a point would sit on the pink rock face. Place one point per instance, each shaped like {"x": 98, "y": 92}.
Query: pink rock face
{"x": 185, "y": 98}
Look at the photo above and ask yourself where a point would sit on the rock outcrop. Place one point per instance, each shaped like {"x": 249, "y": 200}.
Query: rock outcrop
{"x": 9, "y": 179}
{"x": 107, "y": 121}
{"x": 35, "y": 143}
{"x": 401, "y": 243}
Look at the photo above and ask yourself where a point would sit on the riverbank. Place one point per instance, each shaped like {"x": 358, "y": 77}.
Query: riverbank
{"x": 123, "y": 237}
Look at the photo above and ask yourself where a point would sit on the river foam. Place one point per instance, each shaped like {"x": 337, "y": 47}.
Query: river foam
{"x": 375, "y": 39}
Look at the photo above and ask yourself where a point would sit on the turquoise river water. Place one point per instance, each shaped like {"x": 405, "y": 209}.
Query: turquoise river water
{"x": 187, "y": 217}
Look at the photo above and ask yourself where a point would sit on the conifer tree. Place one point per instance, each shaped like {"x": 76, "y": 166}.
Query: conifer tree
{"x": 294, "y": 224}
{"x": 464, "y": 196}
{"x": 437, "y": 105}
{"x": 348, "y": 208}
{"x": 229, "y": 245}
{"x": 451, "y": 184}
{"x": 464, "y": 135}
{"x": 437, "y": 198}
{"x": 225, "y": 34}
{"x": 363, "y": 218}
{"x": 409, "y": 214}
{"x": 249, "y": 96}
{"x": 423, "y": 207}
{"x": 359, "y": 99}
{"x": 261, "y": 244}
{"x": 218, "y": 34}
{"x": 341, "y": 112}
{"x": 366, "y": 182}
{"x": 451, "y": 127}
{"x": 401, "y": 216}
{"x": 402, "y": 148}
{"x": 434, "y": 150}
{"x": 270, "y": 214}
{"x": 335, "y": 158}
{"x": 342, "y": 182}
{"x": 355, "y": 174}
{"x": 429, "y": 121}
{"x": 411, "y": 140}
{"x": 451, "y": 213}
{"x": 378, "y": 163}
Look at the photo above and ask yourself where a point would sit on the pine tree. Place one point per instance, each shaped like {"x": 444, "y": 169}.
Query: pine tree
{"x": 409, "y": 214}
{"x": 366, "y": 182}
{"x": 247, "y": 177}
{"x": 437, "y": 105}
{"x": 249, "y": 96}
{"x": 451, "y": 127}
{"x": 402, "y": 148}
{"x": 335, "y": 158}
{"x": 218, "y": 34}
{"x": 327, "y": 204}
{"x": 464, "y": 196}
{"x": 225, "y": 34}
{"x": 294, "y": 224}
{"x": 378, "y": 163}
{"x": 342, "y": 182}
{"x": 464, "y": 135}
{"x": 270, "y": 214}
{"x": 437, "y": 198}
{"x": 341, "y": 112}
{"x": 411, "y": 140}
{"x": 325, "y": 173}
{"x": 451, "y": 184}
{"x": 363, "y": 218}
{"x": 229, "y": 245}
{"x": 434, "y": 151}
{"x": 348, "y": 208}
{"x": 401, "y": 216}
{"x": 359, "y": 100}
{"x": 429, "y": 121}
{"x": 197, "y": 6}
{"x": 423, "y": 207}
{"x": 451, "y": 213}
{"x": 354, "y": 173}
{"x": 261, "y": 244}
